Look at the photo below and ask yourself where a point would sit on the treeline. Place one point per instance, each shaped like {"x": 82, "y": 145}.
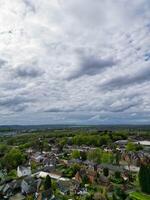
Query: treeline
{"x": 78, "y": 137}
{"x": 97, "y": 139}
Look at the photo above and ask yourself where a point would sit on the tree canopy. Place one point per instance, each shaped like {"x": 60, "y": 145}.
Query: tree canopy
{"x": 13, "y": 158}
{"x": 144, "y": 178}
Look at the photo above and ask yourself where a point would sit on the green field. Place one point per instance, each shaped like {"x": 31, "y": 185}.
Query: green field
{"x": 139, "y": 196}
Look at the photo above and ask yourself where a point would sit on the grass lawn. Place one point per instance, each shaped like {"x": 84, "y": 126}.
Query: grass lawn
{"x": 139, "y": 196}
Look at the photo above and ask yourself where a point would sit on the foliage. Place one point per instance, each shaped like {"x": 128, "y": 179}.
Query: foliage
{"x": 106, "y": 172}
{"x": 53, "y": 185}
{"x": 3, "y": 148}
{"x": 139, "y": 196}
{"x": 144, "y": 178}
{"x": 117, "y": 178}
{"x": 119, "y": 194}
{"x": 117, "y": 175}
{"x": 133, "y": 147}
{"x": 89, "y": 197}
{"x": 12, "y": 174}
{"x": 83, "y": 155}
{"x": 130, "y": 146}
{"x": 47, "y": 183}
{"x": 13, "y": 158}
{"x": 99, "y": 156}
{"x": 96, "y": 140}
{"x": 117, "y": 157}
{"x": 75, "y": 154}
{"x": 75, "y": 168}
{"x": 71, "y": 171}
{"x": 30, "y": 197}
{"x": 95, "y": 155}
{"x": 107, "y": 157}
{"x": 85, "y": 179}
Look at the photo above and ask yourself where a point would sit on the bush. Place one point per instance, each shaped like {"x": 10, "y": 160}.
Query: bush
{"x": 106, "y": 172}
{"x": 47, "y": 183}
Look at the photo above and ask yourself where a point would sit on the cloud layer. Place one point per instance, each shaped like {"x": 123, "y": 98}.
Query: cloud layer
{"x": 73, "y": 61}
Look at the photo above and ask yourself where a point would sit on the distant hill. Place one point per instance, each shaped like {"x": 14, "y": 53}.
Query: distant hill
{"x": 7, "y": 128}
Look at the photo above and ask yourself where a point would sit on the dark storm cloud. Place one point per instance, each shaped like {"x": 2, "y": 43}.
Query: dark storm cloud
{"x": 92, "y": 65}
{"x": 29, "y": 71}
{"x": 127, "y": 80}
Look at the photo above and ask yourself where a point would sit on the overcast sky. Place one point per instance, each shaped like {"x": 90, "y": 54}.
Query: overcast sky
{"x": 74, "y": 61}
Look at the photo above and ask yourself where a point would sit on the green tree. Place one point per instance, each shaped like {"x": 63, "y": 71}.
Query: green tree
{"x": 117, "y": 158}
{"x": 30, "y": 197}
{"x": 131, "y": 146}
{"x": 89, "y": 197}
{"x": 95, "y": 155}
{"x": 144, "y": 178}
{"x": 83, "y": 155}
{"x": 106, "y": 172}
{"x": 75, "y": 154}
{"x": 107, "y": 157}
{"x": 47, "y": 183}
{"x": 120, "y": 194}
{"x": 75, "y": 167}
{"x": 12, "y": 174}
{"x": 85, "y": 179}
{"x": 13, "y": 158}
{"x": 117, "y": 175}
{"x": 114, "y": 197}
{"x": 3, "y": 148}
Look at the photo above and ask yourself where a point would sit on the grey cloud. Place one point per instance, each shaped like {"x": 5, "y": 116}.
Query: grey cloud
{"x": 2, "y": 62}
{"x": 147, "y": 56}
{"x": 92, "y": 65}
{"x": 59, "y": 110}
{"x": 12, "y": 85}
{"x": 16, "y": 103}
{"x": 20, "y": 108}
{"x": 127, "y": 80}
{"x": 100, "y": 14}
{"x": 28, "y": 71}
{"x": 30, "y": 5}
{"x": 123, "y": 108}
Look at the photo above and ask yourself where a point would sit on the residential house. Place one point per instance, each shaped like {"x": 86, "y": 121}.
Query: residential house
{"x": 92, "y": 176}
{"x": 121, "y": 143}
{"x": 37, "y": 157}
{"x": 30, "y": 185}
{"x": 91, "y": 165}
{"x": 83, "y": 174}
{"x": 50, "y": 160}
{"x": 103, "y": 180}
{"x": 23, "y": 171}
{"x": 11, "y": 188}
{"x": 6, "y": 191}
{"x": 68, "y": 187}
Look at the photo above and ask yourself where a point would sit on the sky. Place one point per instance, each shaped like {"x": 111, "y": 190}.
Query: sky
{"x": 74, "y": 62}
